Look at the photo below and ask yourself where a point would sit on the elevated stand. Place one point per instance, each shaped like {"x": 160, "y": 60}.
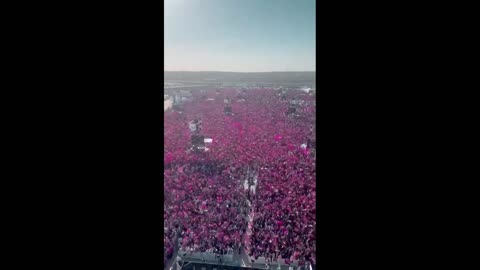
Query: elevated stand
{"x": 198, "y": 143}
{"x": 291, "y": 110}
{"x": 228, "y": 110}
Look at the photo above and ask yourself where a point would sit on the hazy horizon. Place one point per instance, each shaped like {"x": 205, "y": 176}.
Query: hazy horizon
{"x": 245, "y": 36}
{"x": 237, "y": 71}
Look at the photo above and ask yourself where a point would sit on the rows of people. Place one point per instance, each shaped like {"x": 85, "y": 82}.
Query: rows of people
{"x": 205, "y": 209}
{"x": 206, "y": 205}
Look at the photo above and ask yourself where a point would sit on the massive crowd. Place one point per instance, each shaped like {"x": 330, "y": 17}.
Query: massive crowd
{"x": 208, "y": 208}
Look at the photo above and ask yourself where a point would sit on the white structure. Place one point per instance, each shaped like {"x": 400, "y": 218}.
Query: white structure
{"x": 167, "y": 104}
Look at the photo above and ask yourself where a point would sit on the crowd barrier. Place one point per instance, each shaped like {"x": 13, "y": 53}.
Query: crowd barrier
{"x": 279, "y": 261}
{"x": 205, "y": 256}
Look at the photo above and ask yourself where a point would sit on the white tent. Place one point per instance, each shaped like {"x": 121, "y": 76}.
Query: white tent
{"x": 306, "y": 89}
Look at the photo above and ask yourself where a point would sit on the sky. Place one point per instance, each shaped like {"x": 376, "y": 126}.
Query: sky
{"x": 239, "y": 35}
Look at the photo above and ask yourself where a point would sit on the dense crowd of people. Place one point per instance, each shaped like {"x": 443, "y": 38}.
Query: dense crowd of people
{"x": 207, "y": 207}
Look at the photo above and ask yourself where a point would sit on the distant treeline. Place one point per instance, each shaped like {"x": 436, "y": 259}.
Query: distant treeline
{"x": 307, "y": 77}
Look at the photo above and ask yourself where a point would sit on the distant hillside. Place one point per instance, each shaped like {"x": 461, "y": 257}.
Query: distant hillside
{"x": 254, "y": 77}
